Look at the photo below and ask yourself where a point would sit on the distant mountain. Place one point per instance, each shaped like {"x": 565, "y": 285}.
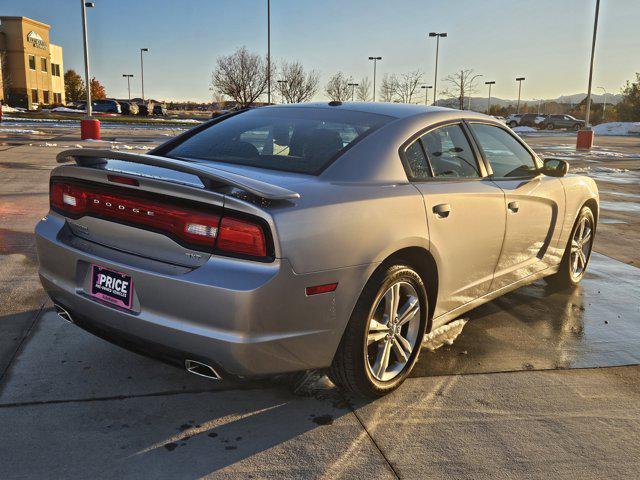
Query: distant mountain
{"x": 480, "y": 103}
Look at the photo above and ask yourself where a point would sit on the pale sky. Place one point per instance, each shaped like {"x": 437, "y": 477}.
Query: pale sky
{"x": 546, "y": 41}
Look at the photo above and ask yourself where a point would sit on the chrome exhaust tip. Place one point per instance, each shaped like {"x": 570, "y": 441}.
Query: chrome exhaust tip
{"x": 201, "y": 369}
{"x": 62, "y": 313}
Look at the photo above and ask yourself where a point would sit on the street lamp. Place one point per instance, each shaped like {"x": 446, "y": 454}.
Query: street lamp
{"x": 85, "y": 39}
{"x": 353, "y": 89}
{"x": 519, "y": 80}
{"x": 435, "y": 81}
{"x": 282, "y": 82}
{"x": 375, "y": 60}
{"x": 142, "y": 70}
{"x": 128, "y": 76}
{"x": 470, "y": 87}
{"x": 489, "y": 100}
{"x": 268, "y": 52}
{"x": 426, "y": 92}
{"x": 604, "y": 105}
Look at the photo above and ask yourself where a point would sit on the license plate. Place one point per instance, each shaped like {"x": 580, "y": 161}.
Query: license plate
{"x": 111, "y": 286}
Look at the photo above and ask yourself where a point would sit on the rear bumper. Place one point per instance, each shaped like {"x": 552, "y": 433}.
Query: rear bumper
{"x": 246, "y": 318}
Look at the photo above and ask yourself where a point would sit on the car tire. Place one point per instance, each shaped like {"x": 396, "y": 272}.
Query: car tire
{"x": 576, "y": 127}
{"x": 358, "y": 365}
{"x": 513, "y": 124}
{"x": 567, "y": 275}
{"x": 550, "y": 126}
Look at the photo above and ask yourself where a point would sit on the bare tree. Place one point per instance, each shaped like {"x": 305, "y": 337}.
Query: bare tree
{"x": 218, "y": 99}
{"x": 337, "y": 88}
{"x": 241, "y": 76}
{"x": 363, "y": 91}
{"x": 5, "y": 77}
{"x": 298, "y": 85}
{"x": 406, "y": 86}
{"x": 460, "y": 86}
{"x": 387, "y": 88}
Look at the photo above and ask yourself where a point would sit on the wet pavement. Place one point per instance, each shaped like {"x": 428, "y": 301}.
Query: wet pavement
{"x": 522, "y": 392}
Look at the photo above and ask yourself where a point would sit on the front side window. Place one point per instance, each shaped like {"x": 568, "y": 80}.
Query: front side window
{"x": 449, "y": 153}
{"x": 293, "y": 139}
{"x": 32, "y": 62}
{"x": 507, "y": 157}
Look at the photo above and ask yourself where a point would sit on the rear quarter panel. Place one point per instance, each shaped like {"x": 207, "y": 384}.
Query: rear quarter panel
{"x": 578, "y": 190}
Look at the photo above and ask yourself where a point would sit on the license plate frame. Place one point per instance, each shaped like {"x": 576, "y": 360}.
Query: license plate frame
{"x": 111, "y": 286}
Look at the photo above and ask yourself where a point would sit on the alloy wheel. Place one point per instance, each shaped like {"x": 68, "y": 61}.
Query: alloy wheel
{"x": 393, "y": 331}
{"x": 581, "y": 247}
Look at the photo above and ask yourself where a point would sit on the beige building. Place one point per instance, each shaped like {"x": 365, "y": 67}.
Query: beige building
{"x": 31, "y": 68}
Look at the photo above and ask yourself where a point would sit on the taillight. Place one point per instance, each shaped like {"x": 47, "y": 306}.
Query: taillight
{"x": 241, "y": 236}
{"x": 196, "y": 228}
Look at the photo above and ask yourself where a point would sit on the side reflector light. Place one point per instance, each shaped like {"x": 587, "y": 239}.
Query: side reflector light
{"x": 329, "y": 287}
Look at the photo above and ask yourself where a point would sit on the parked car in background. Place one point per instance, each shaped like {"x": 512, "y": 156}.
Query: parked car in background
{"x": 513, "y": 120}
{"x": 145, "y": 108}
{"x": 129, "y": 108}
{"x": 102, "y": 106}
{"x": 531, "y": 120}
{"x": 562, "y": 121}
{"x": 160, "y": 109}
{"x": 256, "y": 246}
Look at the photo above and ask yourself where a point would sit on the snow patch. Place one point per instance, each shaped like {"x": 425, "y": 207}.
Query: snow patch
{"x": 67, "y": 110}
{"x": 524, "y": 130}
{"x": 617, "y": 128}
{"x": 445, "y": 334}
{"x": 20, "y": 130}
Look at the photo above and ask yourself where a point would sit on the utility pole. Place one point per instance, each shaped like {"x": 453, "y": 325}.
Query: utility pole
{"x": 128, "y": 76}
{"x": 435, "y": 80}
{"x": 519, "y": 80}
{"x": 375, "y": 60}
{"x": 282, "y": 82}
{"x": 470, "y": 90}
{"x": 489, "y": 100}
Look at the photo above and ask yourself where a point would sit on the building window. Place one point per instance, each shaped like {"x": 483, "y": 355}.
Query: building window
{"x": 32, "y": 62}
{"x": 55, "y": 69}
{"x": 43, "y": 64}
{"x": 45, "y": 95}
{"x": 34, "y": 95}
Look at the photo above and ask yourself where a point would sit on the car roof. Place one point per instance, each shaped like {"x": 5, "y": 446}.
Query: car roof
{"x": 397, "y": 110}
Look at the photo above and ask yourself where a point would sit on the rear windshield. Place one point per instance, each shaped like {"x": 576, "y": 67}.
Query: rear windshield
{"x": 301, "y": 140}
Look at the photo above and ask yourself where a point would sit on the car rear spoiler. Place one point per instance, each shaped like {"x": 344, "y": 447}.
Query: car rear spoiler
{"x": 88, "y": 157}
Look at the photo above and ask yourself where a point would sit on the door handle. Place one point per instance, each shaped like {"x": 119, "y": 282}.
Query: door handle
{"x": 513, "y": 207}
{"x": 442, "y": 210}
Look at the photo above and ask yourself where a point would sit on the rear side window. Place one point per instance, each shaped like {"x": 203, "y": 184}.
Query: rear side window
{"x": 301, "y": 140}
{"x": 507, "y": 157}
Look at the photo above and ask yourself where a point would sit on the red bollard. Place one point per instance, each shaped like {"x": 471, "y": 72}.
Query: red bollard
{"x": 585, "y": 140}
{"x": 90, "y": 129}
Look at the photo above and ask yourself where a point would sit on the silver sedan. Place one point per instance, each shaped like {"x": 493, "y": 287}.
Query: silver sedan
{"x": 312, "y": 236}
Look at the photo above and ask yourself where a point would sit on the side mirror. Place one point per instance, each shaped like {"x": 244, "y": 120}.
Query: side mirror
{"x": 554, "y": 167}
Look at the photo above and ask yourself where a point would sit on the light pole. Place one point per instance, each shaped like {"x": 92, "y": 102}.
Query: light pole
{"x": 353, "y": 89}
{"x": 281, "y": 83}
{"x": 435, "y": 81}
{"x": 142, "y": 70}
{"x": 604, "y": 104}
{"x": 85, "y": 39}
{"x": 128, "y": 76}
{"x": 470, "y": 88}
{"x": 426, "y": 92}
{"x": 268, "y": 52}
{"x": 539, "y": 101}
{"x": 375, "y": 60}
{"x": 519, "y": 80}
{"x": 593, "y": 51}
{"x": 489, "y": 100}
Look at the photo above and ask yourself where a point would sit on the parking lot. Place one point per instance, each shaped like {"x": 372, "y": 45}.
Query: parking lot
{"x": 540, "y": 384}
